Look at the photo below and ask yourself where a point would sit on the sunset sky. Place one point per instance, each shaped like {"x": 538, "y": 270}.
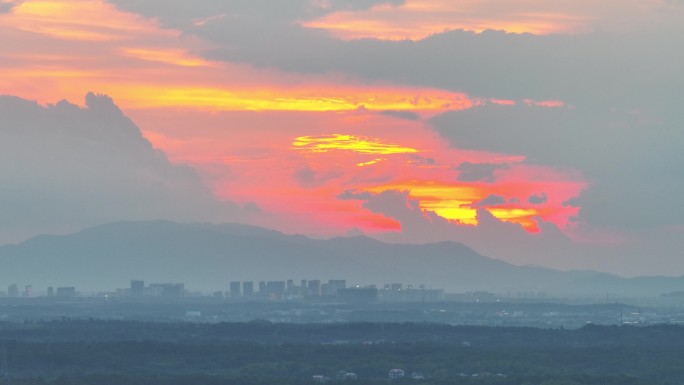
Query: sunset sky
{"x": 536, "y": 132}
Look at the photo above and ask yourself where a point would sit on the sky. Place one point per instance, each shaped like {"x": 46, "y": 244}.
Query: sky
{"x": 536, "y": 132}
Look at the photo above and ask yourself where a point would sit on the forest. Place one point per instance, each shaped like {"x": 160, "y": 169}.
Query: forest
{"x": 120, "y": 352}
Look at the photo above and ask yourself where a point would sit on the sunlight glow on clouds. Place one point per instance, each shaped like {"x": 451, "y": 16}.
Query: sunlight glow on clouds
{"x": 170, "y": 56}
{"x": 564, "y": 128}
{"x": 91, "y": 45}
{"x": 458, "y": 202}
{"x": 85, "y": 20}
{"x": 142, "y": 65}
{"x": 418, "y": 19}
{"x": 361, "y": 145}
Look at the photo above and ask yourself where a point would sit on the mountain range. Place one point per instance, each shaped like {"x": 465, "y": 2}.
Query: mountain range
{"x": 206, "y": 257}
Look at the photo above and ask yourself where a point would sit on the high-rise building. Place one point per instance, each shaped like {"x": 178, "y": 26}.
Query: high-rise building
{"x": 12, "y": 290}
{"x": 172, "y": 290}
{"x": 314, "y": 286}
{"x": 137, "y": 288}
{"x": 235, "y": 289}
{"x": 262, "y": 288}
{"x": 50, "y": 291}
{"x": 66, "y": 292}
{"x": 358, "y": 295}
{"x": 275, "y": 290}
{"x": 247, "y": 289}
{"x": 335, "y": 285}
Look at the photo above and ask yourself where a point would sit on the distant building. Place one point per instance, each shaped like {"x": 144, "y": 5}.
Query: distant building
{"x": 28, "y": 291}
{"x": 173, "y": 290}
{"x": 333, "y": 286}
{"x": 396, "y": 373}
{"x": 247, "y": 289}
{"x": 137, "y": 288}
{"x": 66, "y": 292}
{"x": 275, "y": 290}
{"x": 358, "y": 295}
{"x": 235, "y": 289}
{"x": 262, "y": 288}
{"x": 166, "y": 290}
{"x": 314, "y": 286}
{"x": 50, "y": 291}
{"x": 13, "y": 290}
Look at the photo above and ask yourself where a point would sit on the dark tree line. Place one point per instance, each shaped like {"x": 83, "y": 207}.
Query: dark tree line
{"x": 101, "y": 353}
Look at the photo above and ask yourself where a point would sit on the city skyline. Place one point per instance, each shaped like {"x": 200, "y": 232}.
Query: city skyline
{"x": 279, "y": 290}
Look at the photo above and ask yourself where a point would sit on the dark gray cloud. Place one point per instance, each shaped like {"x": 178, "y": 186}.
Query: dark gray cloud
{"x": 479, "y": 172}
{"x": 63, "y": 168}
{"x": 553, "y": 136}
{"x": 604, "y": 69}
{"x": 307, "y": 177}
{"x": 353, "y": 5}
{"x": 537, "y": 199}
{"x": 5, "y": 7}
{"x": 491, "y": 200}
{"x": 582, "y": 69}
{"x": 550, "y": 247}
{"x": 185, "y": 14}
{"x": 406, "y": 115}
{"x": 510, "y": 242}
{"x": 572, "y": 202}
{"x": 422, "y": 160}
{"x": 631, "y": 158}
{"x": 355, "y": 195}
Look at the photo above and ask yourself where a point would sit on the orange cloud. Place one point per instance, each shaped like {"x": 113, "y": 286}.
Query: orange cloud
{"x": 418, "y": 19}
{"x": 236, "y": 123}
{"x": 377, "y": 154}
{"x": 450, "y": 201}
{"x": 457, "y": 201}
{"x": 370, "y": 163}
{"x": 142, "y": 66}
{"x": 171, "y": 56}
{"x": 545, "y": 103}
{"x": 353, "y": 143}
{"x": 86, "y": 20}
{"x": 503, "y": 102}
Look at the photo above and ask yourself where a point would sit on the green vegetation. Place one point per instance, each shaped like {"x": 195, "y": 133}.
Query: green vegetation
{"x": 103, "y": 353}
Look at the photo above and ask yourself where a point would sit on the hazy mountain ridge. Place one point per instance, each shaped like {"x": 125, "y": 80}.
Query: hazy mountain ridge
{"x": 206, "y": 257}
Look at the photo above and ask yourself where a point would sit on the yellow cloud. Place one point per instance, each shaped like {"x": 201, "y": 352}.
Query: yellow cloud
{"x": 359, "y": 144}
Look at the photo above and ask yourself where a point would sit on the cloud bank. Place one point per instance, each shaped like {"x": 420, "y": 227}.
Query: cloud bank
{"x": 65, "y": 168}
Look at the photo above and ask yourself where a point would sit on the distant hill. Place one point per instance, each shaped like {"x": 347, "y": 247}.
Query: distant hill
{"x": 206, "y": 257}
